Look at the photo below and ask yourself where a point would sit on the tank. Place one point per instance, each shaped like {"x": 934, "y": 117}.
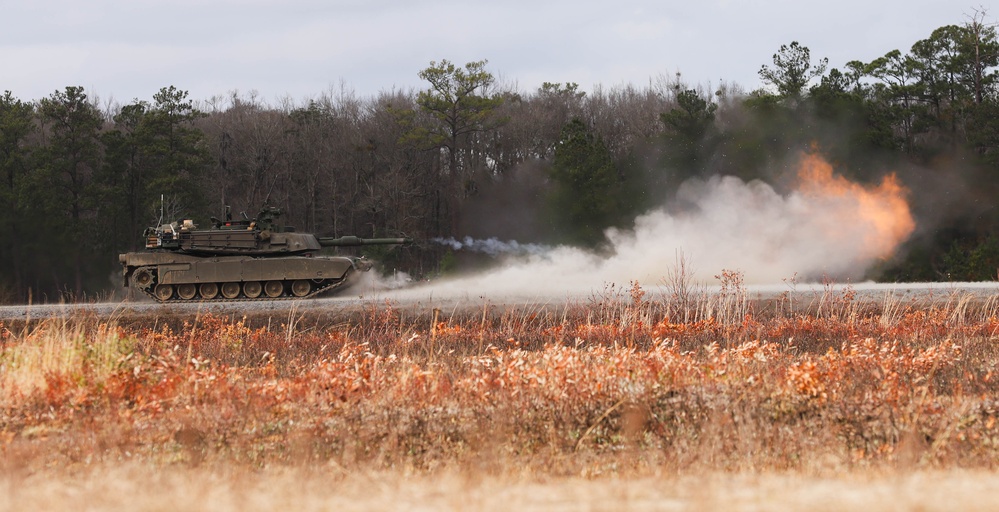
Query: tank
{"x": 247, "y": 259}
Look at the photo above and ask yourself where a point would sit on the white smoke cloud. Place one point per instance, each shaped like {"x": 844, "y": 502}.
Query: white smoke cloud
{"x": 733, "y": 225}
{"x": 493, "y": 246}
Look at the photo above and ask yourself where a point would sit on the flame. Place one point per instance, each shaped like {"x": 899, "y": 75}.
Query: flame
{"x": 878, "y": 216}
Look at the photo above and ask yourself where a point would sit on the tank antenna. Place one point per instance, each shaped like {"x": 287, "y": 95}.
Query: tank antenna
{"x": 161, "y": 211}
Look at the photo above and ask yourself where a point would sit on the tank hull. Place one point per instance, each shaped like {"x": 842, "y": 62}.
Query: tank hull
{"x": 168, "y": 276}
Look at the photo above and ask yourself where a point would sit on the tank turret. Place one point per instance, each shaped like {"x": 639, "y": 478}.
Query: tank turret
{"x": 261, "y": 236}
{"x": 255, "y": 258}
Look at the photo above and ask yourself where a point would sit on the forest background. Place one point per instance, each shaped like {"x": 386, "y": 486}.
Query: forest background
{"x": 80, "y": 179}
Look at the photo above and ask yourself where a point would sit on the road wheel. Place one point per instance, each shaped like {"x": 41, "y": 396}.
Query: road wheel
{"x": 230, "y": 290}
{"x": 208, "y": 290}
{"x": 187, "y": 291}
{"x": 163, "y": 291}
{"x": 273, "y": 289}
{"x": 301, "y": 288}
{"x": 252, "y": 289}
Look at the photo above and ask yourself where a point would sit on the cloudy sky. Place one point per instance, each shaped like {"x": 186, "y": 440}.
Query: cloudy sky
{"x": 299, "y": 49}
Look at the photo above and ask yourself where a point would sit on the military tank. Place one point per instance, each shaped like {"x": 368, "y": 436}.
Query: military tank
{"x": 246, "y": 259}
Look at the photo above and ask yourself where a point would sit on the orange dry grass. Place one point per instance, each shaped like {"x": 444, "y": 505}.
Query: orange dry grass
{"x": 597, "y": 389}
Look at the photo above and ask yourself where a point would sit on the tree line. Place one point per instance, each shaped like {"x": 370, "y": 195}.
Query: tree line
{"x": 469, "y": 155}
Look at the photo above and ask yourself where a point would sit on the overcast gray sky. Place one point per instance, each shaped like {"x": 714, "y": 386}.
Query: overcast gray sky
{"x": 298, "y": 49}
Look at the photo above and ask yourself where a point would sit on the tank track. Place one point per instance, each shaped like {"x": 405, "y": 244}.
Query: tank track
{"x": 174, "y": 299}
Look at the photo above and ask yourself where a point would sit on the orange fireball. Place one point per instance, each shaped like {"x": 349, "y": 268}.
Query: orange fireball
{"x": 879, "y": 214}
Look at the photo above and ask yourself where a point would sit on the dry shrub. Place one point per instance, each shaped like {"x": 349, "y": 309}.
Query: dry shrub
{"x": 618, "y": 385}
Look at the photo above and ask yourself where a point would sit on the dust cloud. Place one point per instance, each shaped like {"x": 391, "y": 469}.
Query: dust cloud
{"x": 827, "y": 227}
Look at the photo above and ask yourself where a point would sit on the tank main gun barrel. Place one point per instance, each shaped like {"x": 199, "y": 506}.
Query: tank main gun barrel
{"x": 353, "y": 241}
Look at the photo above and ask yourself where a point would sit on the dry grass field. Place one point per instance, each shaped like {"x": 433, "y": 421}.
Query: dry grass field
{"x": 688, "y": 401}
